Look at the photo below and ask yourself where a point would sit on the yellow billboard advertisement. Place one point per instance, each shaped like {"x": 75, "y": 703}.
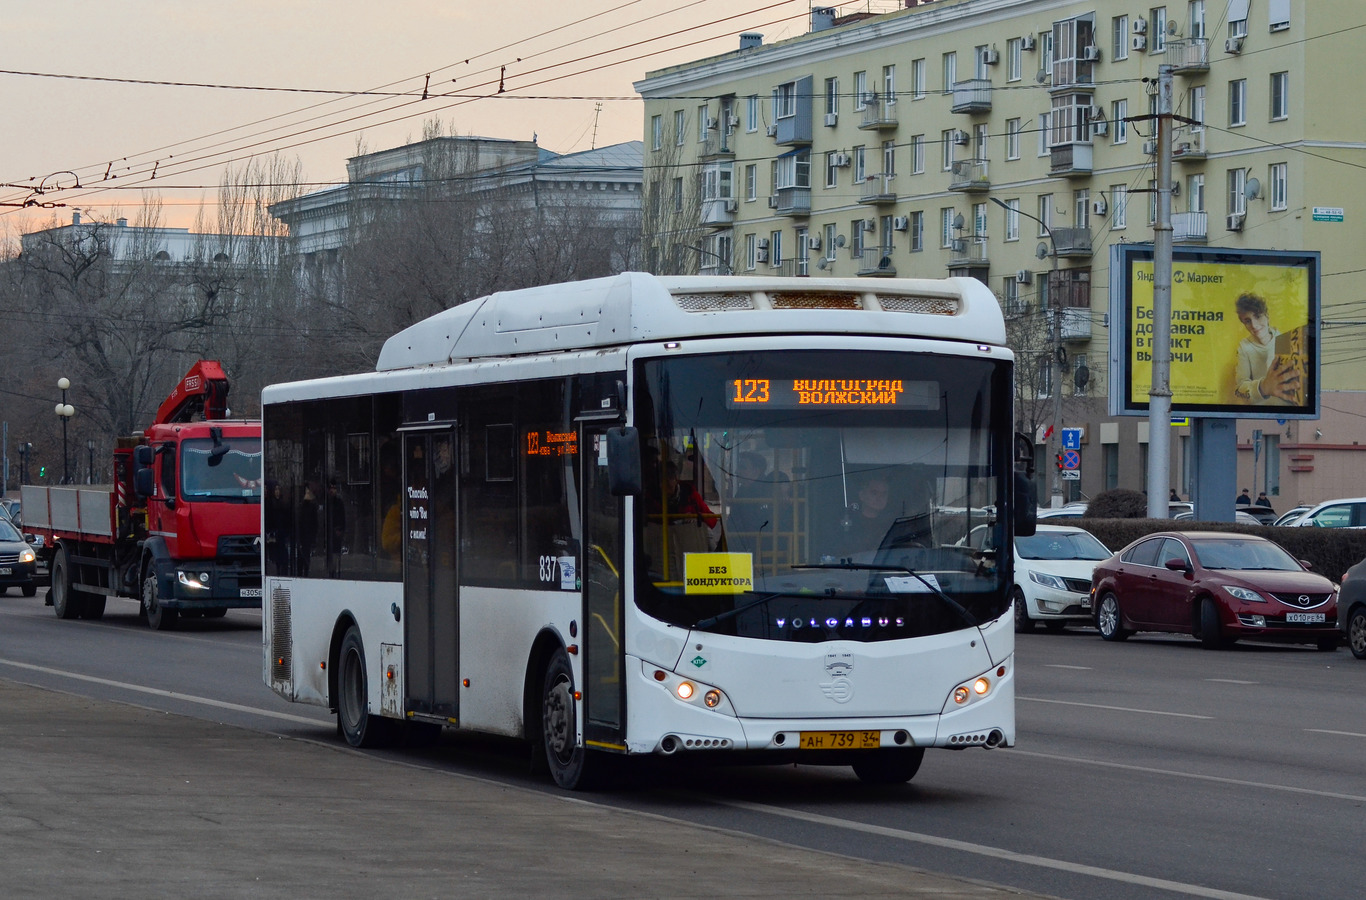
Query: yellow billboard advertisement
{"x": 1243, "y": 335}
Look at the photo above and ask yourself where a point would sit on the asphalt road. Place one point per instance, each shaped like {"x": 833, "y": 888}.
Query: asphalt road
{"x": 1151, "y": 768}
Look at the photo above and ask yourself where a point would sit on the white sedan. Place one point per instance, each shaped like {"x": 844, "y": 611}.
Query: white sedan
{"x": 1053, "y": 577}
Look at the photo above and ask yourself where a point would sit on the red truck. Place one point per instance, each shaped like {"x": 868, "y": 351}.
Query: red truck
{"x": 180, "y": 527}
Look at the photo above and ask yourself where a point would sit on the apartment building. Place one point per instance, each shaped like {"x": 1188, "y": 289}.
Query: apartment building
{"x": 1007, "y": 140}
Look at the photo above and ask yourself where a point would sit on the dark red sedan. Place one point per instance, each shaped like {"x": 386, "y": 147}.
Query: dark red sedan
{"x": 1216, "y": 586}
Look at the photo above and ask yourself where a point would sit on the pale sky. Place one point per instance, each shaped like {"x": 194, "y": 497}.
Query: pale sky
{"x": 54, "y": 127}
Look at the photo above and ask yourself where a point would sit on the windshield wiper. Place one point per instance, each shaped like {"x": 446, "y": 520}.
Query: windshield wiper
{"x": 732, "y": 613}
{"x": 934, "y": 588}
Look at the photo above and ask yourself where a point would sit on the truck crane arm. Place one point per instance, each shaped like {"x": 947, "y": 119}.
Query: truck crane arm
{"x": 202, "y": 393}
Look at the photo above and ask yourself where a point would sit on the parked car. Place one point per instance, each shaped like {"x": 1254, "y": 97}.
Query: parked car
{"x": 1053, "y": 577}
{"x": 1068, "y": 511}
{"x": 1239, "y": 516}
{"x": 1216, "y": 586}
{"x": 1346, "y": 513}
{"x": 1290, "y": 516}
{"x": 1352, "y": 609}
{"x": 1264, "y": 515}
{"x": 17, "y": 561}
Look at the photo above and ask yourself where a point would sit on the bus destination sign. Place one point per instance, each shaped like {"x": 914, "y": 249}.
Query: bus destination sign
{"x": 552, "y": 443}
{"x": 827, "y": 393}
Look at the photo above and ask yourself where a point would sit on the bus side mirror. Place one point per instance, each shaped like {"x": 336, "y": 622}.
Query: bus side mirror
{"x": 1026, "y": 505}
{"x": 623, "y": 461}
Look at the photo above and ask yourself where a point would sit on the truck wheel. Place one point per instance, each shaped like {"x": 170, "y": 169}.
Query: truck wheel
{"x": 67, "y": 602}
{"x": 159, "y": 618}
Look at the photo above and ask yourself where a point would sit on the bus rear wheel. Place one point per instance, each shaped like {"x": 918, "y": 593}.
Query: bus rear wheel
{"x": 889, "y": 766}
{"x": 574, "y": 767}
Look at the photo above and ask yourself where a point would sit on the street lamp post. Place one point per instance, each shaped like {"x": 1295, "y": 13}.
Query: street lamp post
{"x": 64, "y": 412}
{"x": 1058, "y": 364}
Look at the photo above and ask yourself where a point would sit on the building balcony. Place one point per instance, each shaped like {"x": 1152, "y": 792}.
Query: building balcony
{"x": 1076, "y": 324}
{"x": 1188, "y": 56}
{"x": 792, "y": 201}
{"x": 717, "y": 144}
{"x": 1072, "y": 242}
{"x": 878, "y": 189}
{"x": 1188, "y": 143}
{"x": 711, "y": 266}
{"x": 969, "y": 253}
{"x": 793, "y": 130}
{"x": 718, "y": 211}
{"x": 878, "y": 114}
{"x": 876, "y": 262}
{"x": 970, "y": 175}
{"x": 793, "y": 268}
{"x": 972, "y": 96}
{"x": 1190, "y": 227}
{"x": 1071, "y": 160}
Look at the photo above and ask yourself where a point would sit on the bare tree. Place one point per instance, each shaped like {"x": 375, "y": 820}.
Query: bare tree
{"x": 672, "y": 213}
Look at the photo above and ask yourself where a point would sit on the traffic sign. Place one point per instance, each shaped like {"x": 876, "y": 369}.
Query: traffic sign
{"x": 1071, "y": 474}
{"x": 1071, "y": 438}
{"x": 1071, "y": 459}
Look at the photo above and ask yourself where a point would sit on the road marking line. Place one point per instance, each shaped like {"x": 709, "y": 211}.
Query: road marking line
{"x": 1217, "y": 779}
{"x": 1193, "y": 890}
{"x": 1060, "y": 666}
{"x": 1149, "y": 712}
{"x": 1342, "y": 733}
{"x": 158, "y": 692}
{"x": 1231, "y": 681}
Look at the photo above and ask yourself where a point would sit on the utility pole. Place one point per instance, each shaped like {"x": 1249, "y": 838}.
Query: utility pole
{"x": 1160, "y": 393}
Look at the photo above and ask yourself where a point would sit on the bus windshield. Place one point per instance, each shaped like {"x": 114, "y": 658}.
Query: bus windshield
{"x": 821, "y": 495}
{"x": 234, "y": 475}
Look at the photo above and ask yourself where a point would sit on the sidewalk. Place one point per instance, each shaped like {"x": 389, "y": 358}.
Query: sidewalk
{"x": 108, "y": 800}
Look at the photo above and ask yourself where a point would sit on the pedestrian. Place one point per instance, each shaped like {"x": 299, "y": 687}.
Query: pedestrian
{"x": 1265, "y": 501}
{"x": 1174, "y": 496}
{"x": 1244, "y": 499}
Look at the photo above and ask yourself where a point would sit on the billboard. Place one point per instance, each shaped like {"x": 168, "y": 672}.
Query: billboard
{"x": 1244, "y": 332}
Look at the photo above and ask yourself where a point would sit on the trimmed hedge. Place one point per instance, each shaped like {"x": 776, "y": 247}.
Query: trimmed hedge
{"x": 1330, "y": 551}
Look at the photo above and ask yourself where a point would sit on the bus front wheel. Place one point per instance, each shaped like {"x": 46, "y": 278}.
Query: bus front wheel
{"x": 354, "y": 720}
{"x": 572, "y": 765}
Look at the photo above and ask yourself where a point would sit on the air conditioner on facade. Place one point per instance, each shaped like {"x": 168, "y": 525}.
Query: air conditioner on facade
{"x": 1098, "y": 207}
{"x": 901, "y": 223}
{"x": 841, "y": 160}
{"x": 813, "y": 241}
{"x": 1140, "y": 25}
{"x": 711, "y": 124}
{"x": 732, "y": 121}
{"x": 771, "y": 130}
{"x": 958, "y": 245}
{"x": 1090, "y": 54}
{"x": 1027, "y": 42}
{"x": 1235, "y": 221}
{"x": 991, "y": 57}
{"x": 1234, "y": 44}
{"x": 1149, "y": 147}
{"x": 1139, "y": 41}
{"x": 1099, "y": 126}
{"x": 961, "y": 137}
{"x": 761, "y": 255}
{"x": 772, "y": 201}
{"x": 1095, "y": 112}
{"x": 1024, "y": 276}
{"x": 762, "y": 243}
{"x": 870, "y": 224}
{"x": 831, "y": 119}
{"x": 731, "y": 205}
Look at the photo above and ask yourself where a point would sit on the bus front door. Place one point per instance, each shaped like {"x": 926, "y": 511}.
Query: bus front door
{"x": 603, "y": 568}
{"x": 431, "y": 621}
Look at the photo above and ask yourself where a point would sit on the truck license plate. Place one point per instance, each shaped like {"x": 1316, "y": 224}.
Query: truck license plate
{"x": 840, "y": 740}
{"x": 1306, "y": 618}
{"x": 249, "y": 592}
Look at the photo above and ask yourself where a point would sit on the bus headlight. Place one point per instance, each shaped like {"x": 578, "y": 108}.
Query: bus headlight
{"x": 684, "y": 690}
{"x": 689, "y": 690}
{"x": 978, "y": 688}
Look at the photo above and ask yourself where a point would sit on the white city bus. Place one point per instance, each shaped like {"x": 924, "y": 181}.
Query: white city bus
{"x": 647, "y": 515}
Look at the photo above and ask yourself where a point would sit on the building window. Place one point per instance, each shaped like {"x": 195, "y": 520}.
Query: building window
{"x": 888, "y": 85}
{"x": 889, "y": 157}
{"x": 979, "y": 219}
{"x": 775, "y": 249}
{"x": 860, "y": 90}
{"x": 950, "y": 70}
{"x": 1119, "y": 207}
{"x": 1195, "y": 193}
{"x": 917, "y": 154}
{"x": 656, "y": 132}
{"x": 1119, "y": 124}
{"x": 1014, "y": 59}
{"x": 1010, "y": 295}
{"x": 1081, "y": 202}
{"x": 1237, "y": 187}
{"x": 830, "y": 241}
{"x": 1012, "y": 138}
{"x": 1198, "y": 103}
{"x": 680, "y": 127}
{"x": 1157, "y": 22}
{"x": 1237, "y": 102}
{"x": 1071, "y": 119}
{"x": 1043, "y": 134}
{"x": 1196, "y": 19}
{"x": 1237, "y": 28}
{"x": 751, "y": 252}
{"x": 1279, "y": 178}
{"x": 1111, "y": 452}
{"x": 832, "y": 96}
{"x": 1119, "y": 44}
{"x": 677, "y": 194}
{"x": 703, "y": 122}
{"x": 917, "y": 229}
{"x": 787, "y": 101}
{"x": 885, "y": 245}
{"x": 794, "y": 170}
{"x": 1045, "y": 214}
{"x": 1012, "y": 211}
{"x": 980, "y": 135}
{"x": 1280, "y": 96}
{"x": 946, "y": 216}
{"x": 860, "y": 165}
{"x": 752, "y": 113}
{"x": 946, "y": 150}
{"x": 856, "y": 239}
{"x": 1046, "y": 50}
{"x": 832, "y": 171}
{"x": 918, "y": 86}
{"x": 980, "y": 70}
{"x": 751, "y": 182}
